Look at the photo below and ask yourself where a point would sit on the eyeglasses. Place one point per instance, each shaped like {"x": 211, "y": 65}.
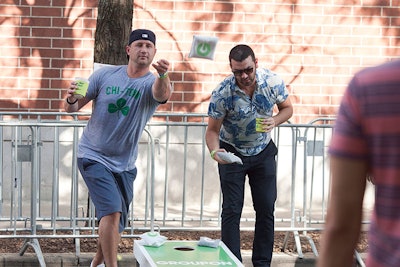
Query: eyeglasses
{"x": 248, "y": 71}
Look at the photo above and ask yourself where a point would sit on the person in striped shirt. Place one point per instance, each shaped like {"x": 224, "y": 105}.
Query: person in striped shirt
{"x": 365, "y": 143}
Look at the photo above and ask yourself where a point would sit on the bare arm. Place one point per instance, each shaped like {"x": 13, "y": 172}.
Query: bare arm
{"x": 162, "y": 86}
{"x": 285, "y": 112}
{"x": 343, "y": 221}
{"x": 212, "y": 137}
{"x": 71, "y": 104}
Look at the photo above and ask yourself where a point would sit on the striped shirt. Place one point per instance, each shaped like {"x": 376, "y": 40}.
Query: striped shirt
{"x": 368, "y": 128}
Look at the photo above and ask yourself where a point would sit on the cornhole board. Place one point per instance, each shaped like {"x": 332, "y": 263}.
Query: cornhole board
{"x": 184, "y": 253}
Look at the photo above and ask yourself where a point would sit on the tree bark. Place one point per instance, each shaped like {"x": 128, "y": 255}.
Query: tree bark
{"x": 114, "y": 24}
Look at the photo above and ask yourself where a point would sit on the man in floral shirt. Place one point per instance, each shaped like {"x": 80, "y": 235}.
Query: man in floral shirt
{"x": 249, "y": 94}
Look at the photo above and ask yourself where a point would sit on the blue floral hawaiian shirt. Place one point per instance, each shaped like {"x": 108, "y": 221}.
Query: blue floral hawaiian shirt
{"x": 239, "y": 111}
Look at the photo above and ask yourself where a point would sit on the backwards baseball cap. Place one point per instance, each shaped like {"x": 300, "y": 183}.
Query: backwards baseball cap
{"x": 142, "y": 34}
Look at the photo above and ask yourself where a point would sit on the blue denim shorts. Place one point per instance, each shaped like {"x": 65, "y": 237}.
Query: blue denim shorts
{"x": 110, "y": 192}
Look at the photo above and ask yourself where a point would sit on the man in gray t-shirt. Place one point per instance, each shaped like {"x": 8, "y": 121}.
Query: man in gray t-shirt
{"x": 124, "y": 99}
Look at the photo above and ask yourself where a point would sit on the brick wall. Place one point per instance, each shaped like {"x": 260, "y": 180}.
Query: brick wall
{"x": 315, "y": 46}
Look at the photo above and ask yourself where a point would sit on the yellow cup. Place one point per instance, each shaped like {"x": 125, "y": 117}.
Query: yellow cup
{"x": 260, "y": 124}
{"x": 82, "y": 87}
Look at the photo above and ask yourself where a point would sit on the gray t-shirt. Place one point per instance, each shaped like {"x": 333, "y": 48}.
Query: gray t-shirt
{"x": 121, "y": 108}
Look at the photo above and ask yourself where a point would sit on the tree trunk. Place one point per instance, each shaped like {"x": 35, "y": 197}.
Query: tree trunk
{"x": 114, "y": 24}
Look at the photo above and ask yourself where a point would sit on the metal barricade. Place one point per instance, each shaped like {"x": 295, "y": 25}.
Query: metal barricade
{"x": 177, "y": 187}
{"x": 312, "y": 140}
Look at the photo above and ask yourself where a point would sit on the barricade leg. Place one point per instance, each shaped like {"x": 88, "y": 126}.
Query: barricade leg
{"x": 297, "y": 242}
{"x": 77, "y": 242}
{"x": 34, "y": 243}
{"x": 312, "y": 244}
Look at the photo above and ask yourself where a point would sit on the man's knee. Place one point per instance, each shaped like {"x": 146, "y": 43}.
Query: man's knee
{"x": 112, "y": 218}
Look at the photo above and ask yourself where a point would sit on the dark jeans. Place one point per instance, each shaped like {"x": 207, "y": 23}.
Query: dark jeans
{"x": 261, "y": 171}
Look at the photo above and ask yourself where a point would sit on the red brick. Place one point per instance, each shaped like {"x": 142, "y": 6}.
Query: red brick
{"x": 35, "y": 104}
{"x": 60, "y": 63}
{"x": 48, "y": 73}
{"x": 49, "y": 53}
{"x": 46, "y": 11}
{"x": 186, "y": 86}
{"x": 46, "y": 93}
{"x": 185, "y": 107}
{"x": 7, "y": 86}
{"x": 39, "y": 22}
{"x": 196, "y": 97}
{"x": 176, "y": 96}
{"x": 8, "y": 104}
{"x": 36, "y": 42}
{"x": 46, "y": 32}
{"x": 187, "y": 5}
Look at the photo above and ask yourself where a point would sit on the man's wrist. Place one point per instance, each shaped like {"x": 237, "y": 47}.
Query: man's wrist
{"x": 163, "y": 75}
{"x": 73, "y": 102}
{"x": 212, "y": 153}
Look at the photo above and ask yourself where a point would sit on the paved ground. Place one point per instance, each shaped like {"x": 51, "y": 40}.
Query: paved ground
{"x": 128, "y": 260}
{"x": 280, "y": 259}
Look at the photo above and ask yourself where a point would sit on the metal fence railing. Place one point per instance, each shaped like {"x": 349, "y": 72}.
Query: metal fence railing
{"x": 177, "y": 188}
